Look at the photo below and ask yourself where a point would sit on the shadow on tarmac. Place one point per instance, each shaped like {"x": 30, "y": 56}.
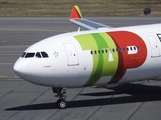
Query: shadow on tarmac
{"x": 136, "y": 93}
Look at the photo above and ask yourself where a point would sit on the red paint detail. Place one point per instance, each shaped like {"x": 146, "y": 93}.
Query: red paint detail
{"x": 74, "y": 14}
{"x": 120, "y": 70}
{"x": 123, "y": 39}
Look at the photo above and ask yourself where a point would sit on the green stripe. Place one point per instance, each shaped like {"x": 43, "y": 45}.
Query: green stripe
{"x": 109, "y": 68}
{"x": 101, "y": 43}
{"x": 78, "y": 10}
{"x": 101, "y": 65}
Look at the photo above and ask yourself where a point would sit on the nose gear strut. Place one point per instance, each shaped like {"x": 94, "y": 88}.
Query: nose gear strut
{"x": 61, "y": 102}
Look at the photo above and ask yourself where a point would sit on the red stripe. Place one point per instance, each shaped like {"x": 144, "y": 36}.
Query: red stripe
{"x": 74, "y": 14}
{"x": 123, "y": 39}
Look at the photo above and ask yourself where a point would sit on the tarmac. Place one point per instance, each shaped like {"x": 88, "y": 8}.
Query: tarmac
{"x": 21, "y": 100}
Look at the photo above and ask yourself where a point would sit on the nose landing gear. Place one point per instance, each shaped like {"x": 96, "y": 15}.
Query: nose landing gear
{"x": 61, "y": 102}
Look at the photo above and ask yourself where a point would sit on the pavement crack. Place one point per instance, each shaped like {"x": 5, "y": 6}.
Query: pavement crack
{"x": 104, "y": 103}
{"x": 39, "y": 96}
{"x": 10, "y": 91}
{"x": 60, "y": 109}
{"x": 29, "y": 103}
{"x": 78, "y": 94}
{"x": 141, "y": 104}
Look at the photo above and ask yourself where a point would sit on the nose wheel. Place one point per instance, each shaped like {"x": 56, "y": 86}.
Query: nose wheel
{"x": 61, "y": 102}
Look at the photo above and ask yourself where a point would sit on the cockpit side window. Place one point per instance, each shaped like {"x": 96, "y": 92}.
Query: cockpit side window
{"x": 23, "y": 54}
{"x": 44, "y": 54}
{"x": 38, "y": 55}
{"x": 29, "y": 55}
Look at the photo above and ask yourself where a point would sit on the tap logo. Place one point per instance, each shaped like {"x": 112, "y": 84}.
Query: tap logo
{"x": 126, "y": 50}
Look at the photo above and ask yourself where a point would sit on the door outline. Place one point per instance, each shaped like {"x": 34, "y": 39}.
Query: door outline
{"x": 154, "y": 46}
{"x": 71, "y": 53}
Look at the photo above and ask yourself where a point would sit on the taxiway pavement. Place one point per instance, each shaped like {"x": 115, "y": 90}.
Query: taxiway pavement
{"x": 20, "y": 100}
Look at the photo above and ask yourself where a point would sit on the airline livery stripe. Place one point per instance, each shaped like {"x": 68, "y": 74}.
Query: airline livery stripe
{"x": 97, "y": 73}
{"x": 113, "y": 63}
{"x": 123, "y": 39}
{"x": 111, "y": 58}
{"x": 78, "y": 10}
{"x": 103, "y": 64}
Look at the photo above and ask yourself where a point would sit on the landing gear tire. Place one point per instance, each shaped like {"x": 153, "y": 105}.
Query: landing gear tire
{"x": 61, "y": 104}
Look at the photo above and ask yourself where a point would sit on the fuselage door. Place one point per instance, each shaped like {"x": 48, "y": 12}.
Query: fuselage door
{"x": 155, "y": 51}
{"x": 71, "y": 54}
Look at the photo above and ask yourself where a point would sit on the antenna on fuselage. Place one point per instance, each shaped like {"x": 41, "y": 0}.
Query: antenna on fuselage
{"x": 78, "y": 29}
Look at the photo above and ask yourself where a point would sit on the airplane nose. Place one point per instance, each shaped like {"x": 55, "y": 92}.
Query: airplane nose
{"x": 20, "y": 68}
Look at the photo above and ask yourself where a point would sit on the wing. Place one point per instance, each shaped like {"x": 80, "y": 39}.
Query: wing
{"x": 76, "y": 18}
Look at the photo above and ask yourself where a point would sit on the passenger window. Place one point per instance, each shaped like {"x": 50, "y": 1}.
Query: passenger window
{"x": 134, "y": 48}
{"x": 113, "y": 50}
{"x": 23, "y": 54}
{"x": 98, "y": 51}
{"x": 29, "y": 55}
{"x": 131, "y": 48}
{"x": 138, "y": 48}
{"x": 106, "y": 51}
{"x": 102, "y": 51}
{"x": 44, "y": 54}
{"x": 38, "y": 55}
{"x": 95, "y": 52}
{"x": 91, "y": 52}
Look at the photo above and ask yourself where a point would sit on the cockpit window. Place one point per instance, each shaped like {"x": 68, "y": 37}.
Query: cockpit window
{"x": 44, "y": 54}
{"x": 38, "y": 55}
{"x": 23, "y": 54}
{"x": 29, "y": 55}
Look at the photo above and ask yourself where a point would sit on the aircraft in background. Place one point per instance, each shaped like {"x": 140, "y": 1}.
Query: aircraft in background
{"x": 100, "y": 56}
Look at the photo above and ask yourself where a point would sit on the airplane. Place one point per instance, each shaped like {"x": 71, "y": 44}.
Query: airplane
{"x": 100, "y": 56}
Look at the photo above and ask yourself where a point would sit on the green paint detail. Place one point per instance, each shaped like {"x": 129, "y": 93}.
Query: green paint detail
{"x": 96, "y": 75}
{"x": 101, "y": 65}
{"x": 109, "y": 68}
{"x": 78, "y": 10}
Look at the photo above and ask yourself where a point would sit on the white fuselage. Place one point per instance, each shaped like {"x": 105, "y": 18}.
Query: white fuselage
{"x": 68, "y": 65}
